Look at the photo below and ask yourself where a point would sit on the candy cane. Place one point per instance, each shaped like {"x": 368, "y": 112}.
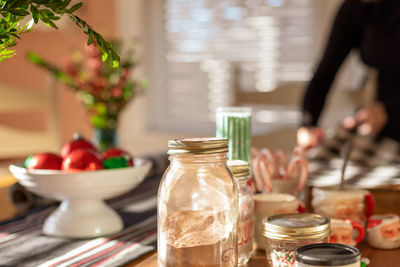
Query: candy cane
{"x": 304, "y": 172}
{"x": 298, "y": 151}
{"x": 255, "y": 152}
{"x": 265, "y": 173}
{"x": 272, "y": 161}
{"x": 257, "y": 174}
{"x": 282, "y": 161}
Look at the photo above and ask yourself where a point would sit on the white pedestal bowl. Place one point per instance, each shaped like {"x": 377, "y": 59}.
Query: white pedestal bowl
{"x": 82, "y": 212}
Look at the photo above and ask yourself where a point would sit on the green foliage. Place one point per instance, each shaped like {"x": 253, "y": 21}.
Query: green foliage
{"x": 57, "y": 73}
{"x": 13, "y": 12}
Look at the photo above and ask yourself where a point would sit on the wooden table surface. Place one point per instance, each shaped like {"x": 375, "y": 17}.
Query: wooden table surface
{"x": 388, "y": 202}
{"x": 377, "y": 257}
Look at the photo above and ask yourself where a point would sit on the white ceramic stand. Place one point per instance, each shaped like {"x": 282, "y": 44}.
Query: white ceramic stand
{"x": 82, "y": 219}
{"x": 82, "y": 213}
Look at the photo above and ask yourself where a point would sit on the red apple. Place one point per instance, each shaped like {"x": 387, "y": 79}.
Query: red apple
{"x": 79, "y": 143}
{"x": 116, "y": 153}
{"x": 44, "y": 161}
{"x": 82, "y": 160}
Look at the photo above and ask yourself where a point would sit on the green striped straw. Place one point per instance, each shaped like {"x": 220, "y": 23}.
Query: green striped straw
{"x": 234, "y": 123}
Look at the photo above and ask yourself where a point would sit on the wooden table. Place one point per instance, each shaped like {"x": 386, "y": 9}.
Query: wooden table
{"x": 388, "y": 202}
{"x": 377, "y": 257}
{"x": 258, "y": 260}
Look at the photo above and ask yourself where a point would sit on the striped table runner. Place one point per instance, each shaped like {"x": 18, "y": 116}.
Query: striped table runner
{"x": 22, "y": 242}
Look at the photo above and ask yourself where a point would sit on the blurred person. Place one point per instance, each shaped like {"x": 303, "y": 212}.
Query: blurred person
{"x": 373, "y": 28}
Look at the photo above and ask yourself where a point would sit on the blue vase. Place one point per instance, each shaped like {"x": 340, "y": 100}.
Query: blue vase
{"x": 105, "y": 138}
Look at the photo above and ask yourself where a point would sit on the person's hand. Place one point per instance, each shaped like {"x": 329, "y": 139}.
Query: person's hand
{"x": 370, "y": 120}
{"x": 308, "y": 137}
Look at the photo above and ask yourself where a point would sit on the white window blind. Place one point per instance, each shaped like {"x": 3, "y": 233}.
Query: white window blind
{"x": 203, "y": 50}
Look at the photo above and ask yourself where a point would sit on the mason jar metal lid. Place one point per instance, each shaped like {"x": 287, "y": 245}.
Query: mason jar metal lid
{"x": 205, "y": 145}
{"x": 297, "y": 226}
{"x": 239, "y": 168}
{"x": 328, "y": 254}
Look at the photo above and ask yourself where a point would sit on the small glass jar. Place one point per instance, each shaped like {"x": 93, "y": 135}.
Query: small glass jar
{"x": 327, "y": 254}
{"x": 197, "y": 206}
{"x": 234, "y": 123}
{"x": 287, "y": 232}
{"x": 241, "y": 172}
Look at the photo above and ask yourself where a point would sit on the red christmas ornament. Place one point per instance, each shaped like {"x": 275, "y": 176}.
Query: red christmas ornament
{"x": 78, "y": 143}
{"x": 115, "y": 153}
{"x": 44, "y": 161}
{"x": 82, "y": 160}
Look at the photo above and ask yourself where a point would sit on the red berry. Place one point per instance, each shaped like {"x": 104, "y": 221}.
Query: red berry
{"x": 45, "y": 161}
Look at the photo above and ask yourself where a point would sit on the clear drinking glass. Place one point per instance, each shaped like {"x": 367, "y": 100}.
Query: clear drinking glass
{"x": 197, "y": 206}
{"x": 234, "y": 123}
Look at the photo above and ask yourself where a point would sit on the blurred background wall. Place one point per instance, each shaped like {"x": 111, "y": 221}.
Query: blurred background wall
{"x": 178, "y": 75}
{"x": 20, "y": 77}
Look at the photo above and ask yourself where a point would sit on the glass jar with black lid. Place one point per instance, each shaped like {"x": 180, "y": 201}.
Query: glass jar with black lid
{"x": 327, "y": 254}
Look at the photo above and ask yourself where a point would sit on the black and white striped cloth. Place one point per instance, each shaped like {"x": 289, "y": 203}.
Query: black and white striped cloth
{"x": 22, "y": 242}
{"x": 372, "y": 163}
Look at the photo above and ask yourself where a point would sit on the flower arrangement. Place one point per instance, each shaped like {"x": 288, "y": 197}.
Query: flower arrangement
{"x": 103, "y": 89}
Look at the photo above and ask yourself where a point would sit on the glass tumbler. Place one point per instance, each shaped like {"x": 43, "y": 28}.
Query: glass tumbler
{"x": 234, "y": 123}
{"x": 241, "y": 172}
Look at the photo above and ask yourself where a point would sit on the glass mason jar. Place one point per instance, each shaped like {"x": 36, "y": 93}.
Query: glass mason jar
{"x": 197, "y": 206}
{"x": 287, "y": 232}
{"x": 326, "y": 254}
{"x": 241, "y": 172}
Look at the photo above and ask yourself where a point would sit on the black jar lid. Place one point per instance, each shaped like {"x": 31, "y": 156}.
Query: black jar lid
{"x": 328, "y": 254}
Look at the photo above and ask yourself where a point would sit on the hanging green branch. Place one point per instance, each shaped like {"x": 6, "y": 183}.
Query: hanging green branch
{"x": 13, "y": 12}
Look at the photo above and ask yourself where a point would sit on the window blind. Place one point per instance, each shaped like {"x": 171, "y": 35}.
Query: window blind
{"x": 205, "y": 49}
